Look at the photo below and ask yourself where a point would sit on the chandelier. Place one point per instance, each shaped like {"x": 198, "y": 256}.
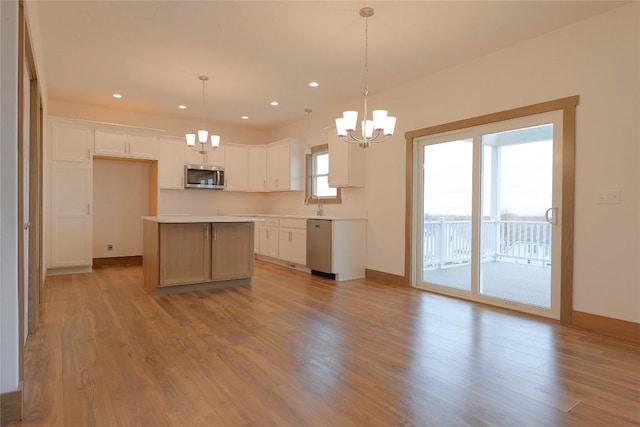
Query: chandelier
{"x": 204, "y": 148}
{"x": 373, "y": 131}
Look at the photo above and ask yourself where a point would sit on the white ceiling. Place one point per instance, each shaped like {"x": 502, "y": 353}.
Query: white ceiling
{"x": 152, "y": 52}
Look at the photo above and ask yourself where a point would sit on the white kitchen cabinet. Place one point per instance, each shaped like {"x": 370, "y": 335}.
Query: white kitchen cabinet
{"x": 143, "y": 146}
{"x": 72, "y": 141}
{"x": 257, "y": 169}
{"x": 346, "y": 162}
{"x": 285, "y": 166}
{"x": 122, "y": 142}
{"x": 72, "y": 221}
{"x": 235, "y": 169}
{"x": 269, "y": 237}
{"x": 171, "y": 163}
{"x": 211, "y": 158}
{"x": 348, "y": 250}
{"x": 292, "y": 240}
{"x": 71, "y": 178}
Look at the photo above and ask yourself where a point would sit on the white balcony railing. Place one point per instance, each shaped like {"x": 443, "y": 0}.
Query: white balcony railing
{"x": 448, "y": 243}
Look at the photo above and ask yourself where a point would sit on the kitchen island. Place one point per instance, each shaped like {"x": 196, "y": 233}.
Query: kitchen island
{"x": 184, "y": 253}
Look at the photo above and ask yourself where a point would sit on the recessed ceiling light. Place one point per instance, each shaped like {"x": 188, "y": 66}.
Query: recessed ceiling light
{"x": 117, "y": 95}
{"x": 314, "y": 84}
{"x": 182, "y": 107}
{"x": 245, "y": 117}
{"x": 274, "y": 103}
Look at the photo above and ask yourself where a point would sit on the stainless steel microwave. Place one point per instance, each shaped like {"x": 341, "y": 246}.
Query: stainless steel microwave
{"x": 204, "y": 176}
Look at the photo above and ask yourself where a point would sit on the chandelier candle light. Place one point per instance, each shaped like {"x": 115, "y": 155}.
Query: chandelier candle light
{"x": 202, "y": 133}
{"x": 373, "y": 131}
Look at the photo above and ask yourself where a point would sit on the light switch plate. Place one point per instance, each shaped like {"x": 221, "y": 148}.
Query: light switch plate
{"x": 608, "y": 197}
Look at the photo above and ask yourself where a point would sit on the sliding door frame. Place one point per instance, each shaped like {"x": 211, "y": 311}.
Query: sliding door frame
{"x": 568, "y": 108}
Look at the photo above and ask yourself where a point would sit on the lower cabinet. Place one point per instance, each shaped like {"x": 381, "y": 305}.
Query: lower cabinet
{"x": 185, "y": 253}
{"x": 292, "y": 240}
{"x": 231, "y": 250}
{"x": 269, "y": 240}
{"x": 196, "y": 253}
{"x": 284, "y": 239}
{"x": 71, "y": 222}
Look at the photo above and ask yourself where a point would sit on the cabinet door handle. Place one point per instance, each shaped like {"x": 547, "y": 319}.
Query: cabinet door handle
{"x": 215, "y": 233}
{"x": 290, "y": 237}
{"x": 206, "y": 232}
{"x": 88, "y": 153}
{"x": 88, "y": 209}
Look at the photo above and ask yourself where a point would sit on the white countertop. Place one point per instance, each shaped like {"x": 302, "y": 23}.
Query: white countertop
{"x": 183, "y": 219}
{"x": 327, "y": 217}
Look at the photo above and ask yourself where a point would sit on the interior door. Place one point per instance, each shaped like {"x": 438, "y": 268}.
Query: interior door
{"x": 487, "y": 218}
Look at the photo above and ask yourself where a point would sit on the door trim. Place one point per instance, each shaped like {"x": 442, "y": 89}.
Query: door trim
{"x": 568, "y": 107}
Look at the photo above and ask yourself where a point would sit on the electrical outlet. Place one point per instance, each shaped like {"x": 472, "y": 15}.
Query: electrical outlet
{"x": 608, "y": 197}
{"x": 109, "y": 247}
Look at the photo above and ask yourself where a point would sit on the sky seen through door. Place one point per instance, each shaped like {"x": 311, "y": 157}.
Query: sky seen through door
{"x": 525, "y": 176}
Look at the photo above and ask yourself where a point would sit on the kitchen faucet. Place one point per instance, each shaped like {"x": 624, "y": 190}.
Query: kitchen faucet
{"x": 306, "y": 202}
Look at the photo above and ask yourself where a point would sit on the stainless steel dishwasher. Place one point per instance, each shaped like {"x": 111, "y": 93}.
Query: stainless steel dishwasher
{"x": 319, "y": 247}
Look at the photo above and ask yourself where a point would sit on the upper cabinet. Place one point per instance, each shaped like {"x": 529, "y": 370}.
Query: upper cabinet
{"x": 285, "y": 166}
{"x": 211, "y": 158}
{"x": 346, "y": 162}
{"x": 235, "y": 169}
{"x": 125, "y": 142}
{"x": 171, "y": 163}
{"x": 257, "y": 167}
{"x": 72, "y": 141}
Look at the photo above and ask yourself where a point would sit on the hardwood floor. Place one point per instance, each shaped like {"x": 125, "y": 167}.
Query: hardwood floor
{"x": 297, "y": 350}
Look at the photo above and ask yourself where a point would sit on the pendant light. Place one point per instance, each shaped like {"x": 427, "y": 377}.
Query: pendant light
{"x": 203, "y": 147}
{"x": 373, "y": 131}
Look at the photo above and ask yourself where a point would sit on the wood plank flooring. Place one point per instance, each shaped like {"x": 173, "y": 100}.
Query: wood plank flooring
{"x": 298, "y": 350}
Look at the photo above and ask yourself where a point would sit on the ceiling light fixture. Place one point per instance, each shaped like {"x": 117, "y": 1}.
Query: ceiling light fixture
{"x": 314, "y": 84}
{"x": 117, "y": 96}
{"x": 373, "y": 131}
{"x": 182, "y": 107}
{"x": 202, "y": 133}
{"x": 274, "y": 103}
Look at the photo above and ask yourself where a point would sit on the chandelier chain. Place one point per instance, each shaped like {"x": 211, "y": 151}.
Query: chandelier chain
{"x": 203, "y": 81}
{"x": 366, "y": 56}
{"x": 366, "y": 72}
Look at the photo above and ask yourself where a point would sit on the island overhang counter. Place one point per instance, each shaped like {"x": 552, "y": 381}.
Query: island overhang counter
{"x": 184, "y": 252}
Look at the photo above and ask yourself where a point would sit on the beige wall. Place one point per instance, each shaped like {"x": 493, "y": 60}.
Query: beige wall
{"x": 120, "y": 198}
{"x": 597, "y": 59}
{"x": 210, "y": 202}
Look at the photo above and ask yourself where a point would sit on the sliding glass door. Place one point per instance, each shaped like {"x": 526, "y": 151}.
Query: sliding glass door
{"x": 487, "y": 219}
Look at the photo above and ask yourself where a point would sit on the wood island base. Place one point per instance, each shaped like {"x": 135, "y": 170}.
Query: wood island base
{"x": 186, "y": 253}
{"x": 207, "y": 286}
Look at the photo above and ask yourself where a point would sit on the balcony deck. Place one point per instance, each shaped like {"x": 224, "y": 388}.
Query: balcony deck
{"x": 529, "y": 284}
